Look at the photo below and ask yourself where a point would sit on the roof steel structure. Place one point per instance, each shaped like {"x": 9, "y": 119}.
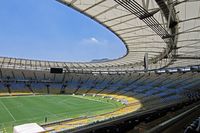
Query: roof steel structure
{"x": 167, "y": 30}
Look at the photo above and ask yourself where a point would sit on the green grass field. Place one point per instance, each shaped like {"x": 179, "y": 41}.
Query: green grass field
{"x": 24, "y": 109}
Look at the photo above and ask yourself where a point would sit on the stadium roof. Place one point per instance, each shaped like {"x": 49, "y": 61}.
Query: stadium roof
{"x": 167, "y": 30}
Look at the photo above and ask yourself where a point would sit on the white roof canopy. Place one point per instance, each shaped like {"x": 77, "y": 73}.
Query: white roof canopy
{"x": 168, "y": 30}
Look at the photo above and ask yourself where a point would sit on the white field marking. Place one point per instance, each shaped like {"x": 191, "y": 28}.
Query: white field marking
{"x": 4, "y": 97}
{"x": 8, "y": 111}
{"x": 58, "y": 95}
{"x": 94, "y": 100}
{"x": 50, "y": 114}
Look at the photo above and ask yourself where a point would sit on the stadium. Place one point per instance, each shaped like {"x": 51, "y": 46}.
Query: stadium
{"x": 154, "y": 87}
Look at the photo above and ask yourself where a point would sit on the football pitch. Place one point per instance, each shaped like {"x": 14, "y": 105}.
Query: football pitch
{"x": 15, "y": 110}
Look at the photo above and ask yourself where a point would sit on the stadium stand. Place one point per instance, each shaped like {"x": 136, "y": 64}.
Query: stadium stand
{"x": 138, "y": 91}
{"x": 194, "y": 127}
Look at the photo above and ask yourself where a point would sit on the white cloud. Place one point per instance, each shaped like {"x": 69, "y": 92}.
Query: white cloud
{"x": 93, "y": 39}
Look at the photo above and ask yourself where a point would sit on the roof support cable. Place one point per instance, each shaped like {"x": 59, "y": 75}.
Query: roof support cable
{"x": 148, "y": 18}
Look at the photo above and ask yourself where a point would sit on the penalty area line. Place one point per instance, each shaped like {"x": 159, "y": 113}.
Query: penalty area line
{"x": 8, "y": 110}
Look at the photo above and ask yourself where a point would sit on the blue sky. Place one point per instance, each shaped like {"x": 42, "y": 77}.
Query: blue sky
{"x": 48, "y": 30}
